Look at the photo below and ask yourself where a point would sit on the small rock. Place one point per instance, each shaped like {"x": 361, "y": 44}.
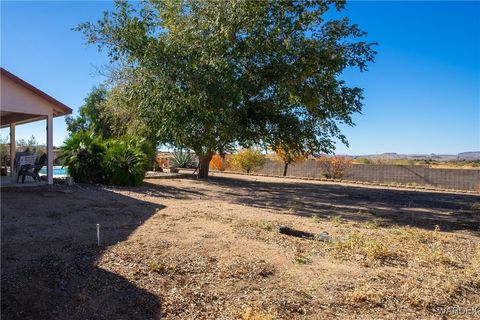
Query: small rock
{"x": 323, "y": 236}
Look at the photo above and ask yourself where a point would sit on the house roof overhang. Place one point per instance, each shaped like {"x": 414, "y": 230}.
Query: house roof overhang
{"x": 15, "y": 109}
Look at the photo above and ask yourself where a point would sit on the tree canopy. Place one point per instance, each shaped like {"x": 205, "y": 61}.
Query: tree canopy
{"x": 212, "y": 75}
{"x": 90, "y": 115}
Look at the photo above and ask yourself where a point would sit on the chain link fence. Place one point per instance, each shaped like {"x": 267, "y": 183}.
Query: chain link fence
{"x": 459, "y": 179}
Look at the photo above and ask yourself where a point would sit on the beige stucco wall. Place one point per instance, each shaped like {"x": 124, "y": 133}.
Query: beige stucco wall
{"x": 16, "y": 98}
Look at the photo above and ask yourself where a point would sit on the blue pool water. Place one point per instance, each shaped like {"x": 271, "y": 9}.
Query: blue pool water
{"x": 57, "y": 171}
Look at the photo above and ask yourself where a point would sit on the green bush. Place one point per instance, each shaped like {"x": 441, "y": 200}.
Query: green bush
{"x": 248, "y": 160}
{"x": 120, "y": 162}
{"x": 124, "y": 163}
{"x": 83, "y": 154}
{"x": 141, "y": 144}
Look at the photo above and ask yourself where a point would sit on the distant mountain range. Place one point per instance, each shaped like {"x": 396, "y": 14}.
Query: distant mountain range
{"x": 467, "y": 156}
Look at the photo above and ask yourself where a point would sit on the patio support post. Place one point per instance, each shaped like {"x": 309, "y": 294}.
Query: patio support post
{"x": 12, "y": 148}
{"x": 50, "y": 148}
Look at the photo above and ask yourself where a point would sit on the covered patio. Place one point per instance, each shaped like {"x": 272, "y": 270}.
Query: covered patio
{"x": 22, "y": 103}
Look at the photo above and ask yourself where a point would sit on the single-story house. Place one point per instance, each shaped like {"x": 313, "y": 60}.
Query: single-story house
{"x": 20, "y": 103}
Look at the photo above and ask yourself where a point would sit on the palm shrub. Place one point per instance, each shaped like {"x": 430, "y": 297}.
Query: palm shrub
{"x": 125, "y": 162}
{"x": 139, "y": 143}
{"x": 82, "y": 154}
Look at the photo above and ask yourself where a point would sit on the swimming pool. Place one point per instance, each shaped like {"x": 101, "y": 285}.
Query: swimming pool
{"x": 58, "y": 171}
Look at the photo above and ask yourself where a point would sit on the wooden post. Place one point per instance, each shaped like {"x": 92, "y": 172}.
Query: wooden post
{"x": 50, "y": 148}
{"x": 12, "y": 149}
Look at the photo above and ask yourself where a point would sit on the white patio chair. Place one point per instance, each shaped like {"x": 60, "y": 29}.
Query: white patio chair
{"x": 26, "y": 161}
{"x": 20, "y": 155}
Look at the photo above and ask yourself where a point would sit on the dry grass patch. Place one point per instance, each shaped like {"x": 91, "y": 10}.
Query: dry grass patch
{"x": 265, "y": 225}
{"x": 255, "y": 314}
{"x": 375, "y": 223}
{"x": 316, "y": 218}
{"x": 364, "y": 294}
{"x": 411, "y": 268}
{"x": 337, "y": 220}
{"x": 357, "y": 245}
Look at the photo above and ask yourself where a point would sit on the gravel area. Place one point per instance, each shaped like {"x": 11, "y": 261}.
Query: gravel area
{"x": 192, "y": 249}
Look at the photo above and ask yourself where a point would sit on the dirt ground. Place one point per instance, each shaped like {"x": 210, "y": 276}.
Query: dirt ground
{"x": 190, "y": 249}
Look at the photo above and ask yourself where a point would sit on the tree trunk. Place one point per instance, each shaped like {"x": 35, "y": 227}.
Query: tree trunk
{"x": 224, "y": 163}
{"x": 285, "y": 168}
{"x": 203, "y": 166}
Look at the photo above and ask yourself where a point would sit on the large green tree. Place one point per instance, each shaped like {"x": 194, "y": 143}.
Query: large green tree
{"x": 209, "y": 75}
{"x": 90, "y": 116}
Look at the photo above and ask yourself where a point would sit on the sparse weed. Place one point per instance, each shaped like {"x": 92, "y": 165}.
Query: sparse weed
{"x": 303, "y": 259}
{"x": 295, "y": 205}
{"x": 265, "y": 225}
{"x": 366, "y": 211}
{"x": 316, "y": 218}
{"x": 370, "y": 224}
{"x": 172, "y": 268}
{"x": 363, "y": 295}
{"x": 337, "y": 220}
{"x": 254, "y": 314}
{"x": 438, "y": 257}
{"x": 356, "y": 244}
{"x": 308, "y": 295}
{"x": 374, "y": 224}
{"x": 416, "y": 235}
{"x": 154, "y": 266}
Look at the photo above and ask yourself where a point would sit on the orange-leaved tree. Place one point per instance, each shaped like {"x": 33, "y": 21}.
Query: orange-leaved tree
{"x": 335, "y": 166}
{"x": 219, "y": 162}
{"x": 289, "y": 156}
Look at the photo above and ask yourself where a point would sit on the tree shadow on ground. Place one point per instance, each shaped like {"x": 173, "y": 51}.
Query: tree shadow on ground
{"x": 49, "y": 254}
{"x": 360, "y": 204}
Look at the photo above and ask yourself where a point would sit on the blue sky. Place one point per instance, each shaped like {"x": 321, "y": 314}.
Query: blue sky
{"x": 422, "y": 95}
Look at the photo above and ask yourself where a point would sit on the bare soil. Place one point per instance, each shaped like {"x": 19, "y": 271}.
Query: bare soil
{"x": 191, "y": 249}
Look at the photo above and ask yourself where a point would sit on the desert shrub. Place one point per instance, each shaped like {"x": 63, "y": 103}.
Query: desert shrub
{"x": 182, "y": 158}
{"x": 248, "y": 160}
{"x": 219, "y": 163}
{"x": 335, "y": 166}
{"x": 124, "y": 163}
{"x": 82, "y": 154}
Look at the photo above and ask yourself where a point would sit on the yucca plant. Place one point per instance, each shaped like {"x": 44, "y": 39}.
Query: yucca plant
{"x": 82, "y": 154}
{"x": 182, "y": 158}
{"x": 124, "y": 163}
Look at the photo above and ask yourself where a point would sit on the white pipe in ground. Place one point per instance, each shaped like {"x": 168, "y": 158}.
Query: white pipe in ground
{"x": 98, "y": 234}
